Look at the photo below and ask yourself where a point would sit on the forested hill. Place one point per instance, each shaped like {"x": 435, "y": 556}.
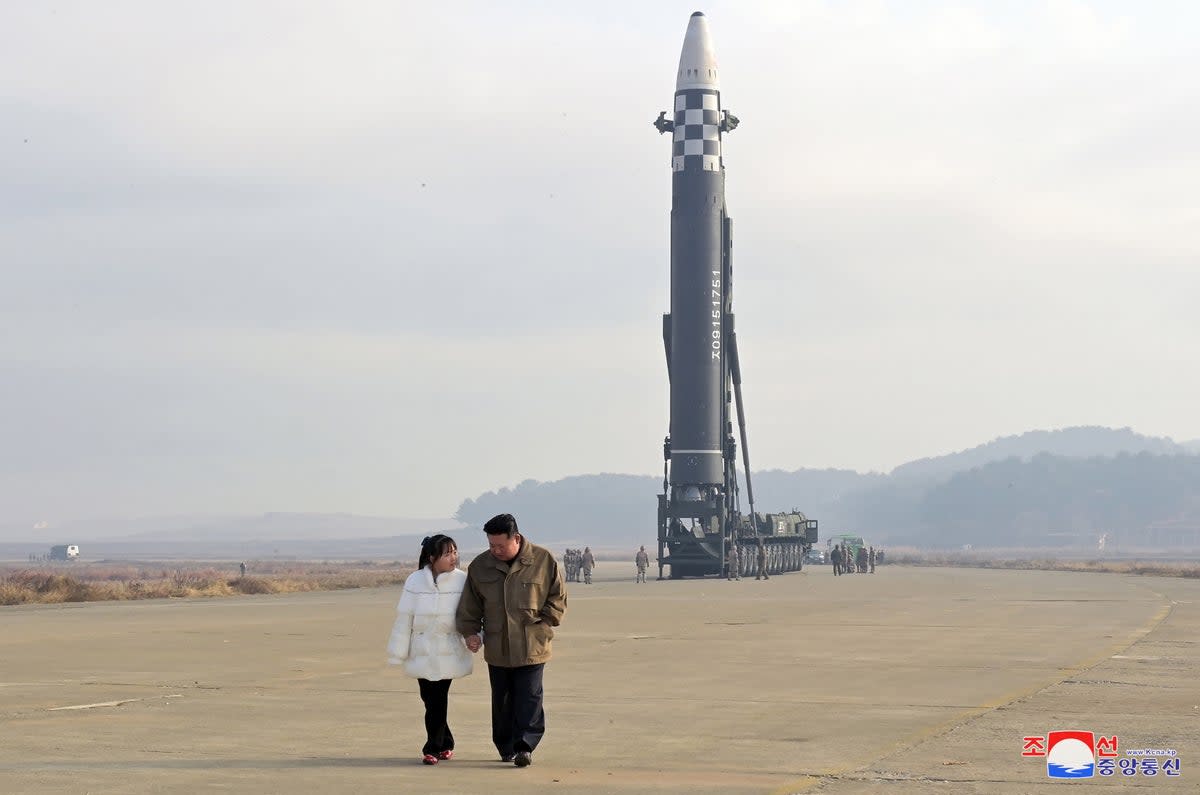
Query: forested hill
{"x": 1078, "y": 442}
{"x": 585, "y": 509}
{"x": 1014, "y": 491}
{"x": 1056, "y": 500}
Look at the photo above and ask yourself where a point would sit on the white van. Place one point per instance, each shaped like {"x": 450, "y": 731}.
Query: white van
{"x": 64, "y": 552}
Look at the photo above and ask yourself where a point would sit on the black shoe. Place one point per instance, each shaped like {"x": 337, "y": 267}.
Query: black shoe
{"x": 507, "y": 757}
{"x": 523, "y": 759}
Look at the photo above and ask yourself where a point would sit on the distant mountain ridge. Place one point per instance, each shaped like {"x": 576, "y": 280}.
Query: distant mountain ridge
{"x": 920, "y": 501}
{"x": 1076, "y": 442}
{"x": 931, "y": 500}
{"x": 266, "y": 527}
{"x": 282, "y": 525}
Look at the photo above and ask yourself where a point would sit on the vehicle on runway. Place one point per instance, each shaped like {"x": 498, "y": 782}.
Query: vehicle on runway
{"x": 64, "y": 552}
{"x": 853, "y": 542}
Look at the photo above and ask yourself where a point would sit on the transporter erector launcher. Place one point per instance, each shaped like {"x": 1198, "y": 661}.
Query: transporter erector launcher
{"x": 698, "y": 512}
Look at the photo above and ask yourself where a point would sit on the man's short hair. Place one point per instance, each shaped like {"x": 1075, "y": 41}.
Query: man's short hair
{"x": 501, "y": 524}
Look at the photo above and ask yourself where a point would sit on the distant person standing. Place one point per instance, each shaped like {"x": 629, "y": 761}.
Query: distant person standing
{"x": 588, "y": 562}
{"x": 242, "y": 568}
{"x": 642, "y": 561}
{"x": 735, "y": 570}
{"x": 871, "y": 559}
{"x": 835, "y": 557}
{"x": 426, "y": 641}
{"x": 514, "y": 597}
{"x": 761, "y": 559}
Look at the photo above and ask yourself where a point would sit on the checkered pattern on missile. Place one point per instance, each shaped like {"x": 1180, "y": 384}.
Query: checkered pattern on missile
{"x": 697, "y": 142}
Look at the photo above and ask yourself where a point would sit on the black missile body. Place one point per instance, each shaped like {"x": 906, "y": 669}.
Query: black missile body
{"x": 699, "y": 515}
{"x": 699, "y": 244}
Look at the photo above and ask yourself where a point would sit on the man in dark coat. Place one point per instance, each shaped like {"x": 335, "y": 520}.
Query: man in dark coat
{"x": 514, "y": 596}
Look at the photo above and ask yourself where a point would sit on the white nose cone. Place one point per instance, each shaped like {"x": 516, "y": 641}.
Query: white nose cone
{"x": 697, "y": 62}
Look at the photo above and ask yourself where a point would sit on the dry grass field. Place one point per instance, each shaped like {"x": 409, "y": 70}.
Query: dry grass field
{"x": 117, "y": 580}
{"x": 113, "y": 580}
{"x": 1040, "y": 560}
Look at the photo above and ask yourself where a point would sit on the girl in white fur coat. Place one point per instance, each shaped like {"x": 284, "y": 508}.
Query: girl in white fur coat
{"x": 425, "y": 641}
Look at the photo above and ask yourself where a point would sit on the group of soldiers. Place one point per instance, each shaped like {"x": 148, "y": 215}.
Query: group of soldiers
{"x": 581, "y": 562}
{"x": 577, "y": 562}
{"x": 733, "y": 569}
{"x": 846, "y": 561}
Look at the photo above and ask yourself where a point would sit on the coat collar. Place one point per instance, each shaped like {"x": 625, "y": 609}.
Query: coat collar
{"x": 447, "y": 578}
{"x": 524, "y": 558}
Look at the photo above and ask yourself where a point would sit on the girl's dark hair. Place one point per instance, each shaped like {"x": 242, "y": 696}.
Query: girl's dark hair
{"x": 433, "y": 547}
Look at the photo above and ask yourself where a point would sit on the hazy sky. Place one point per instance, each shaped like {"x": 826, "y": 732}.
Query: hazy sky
{"x": 378, "y": 257}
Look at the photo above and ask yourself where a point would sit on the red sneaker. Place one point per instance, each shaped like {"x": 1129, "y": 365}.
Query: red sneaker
{"x": 429, "y": 759}
{"x": 446, "y": 755}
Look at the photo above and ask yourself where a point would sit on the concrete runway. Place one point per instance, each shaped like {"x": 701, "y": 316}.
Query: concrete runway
{"x": 911, "y": 680}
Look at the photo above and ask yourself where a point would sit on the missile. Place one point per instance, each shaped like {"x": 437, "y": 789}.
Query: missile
{"x": 699, "y": 509}
{"x": 700, "y": 518}
{"x": 695, "y": 331}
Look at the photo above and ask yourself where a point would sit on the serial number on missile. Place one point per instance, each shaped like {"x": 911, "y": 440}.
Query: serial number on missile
{"x": 716, "y": 313}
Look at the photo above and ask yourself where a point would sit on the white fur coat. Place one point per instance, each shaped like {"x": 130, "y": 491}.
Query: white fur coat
{"x": 424, "y": 638}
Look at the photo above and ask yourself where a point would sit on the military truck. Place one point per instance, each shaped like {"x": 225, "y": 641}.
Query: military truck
{"x": 851, "y": 541}
{"x": 64, "y": 552}
{"x": 692, "y": 552}
{"x": 854, "y": 542}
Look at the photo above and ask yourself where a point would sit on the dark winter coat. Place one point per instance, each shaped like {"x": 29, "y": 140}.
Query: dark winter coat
{"x": 516, "y": 606}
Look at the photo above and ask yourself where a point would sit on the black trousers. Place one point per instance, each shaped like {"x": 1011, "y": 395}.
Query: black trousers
{"x": 436, "y": 696}
{"x": 518, "y": 720}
